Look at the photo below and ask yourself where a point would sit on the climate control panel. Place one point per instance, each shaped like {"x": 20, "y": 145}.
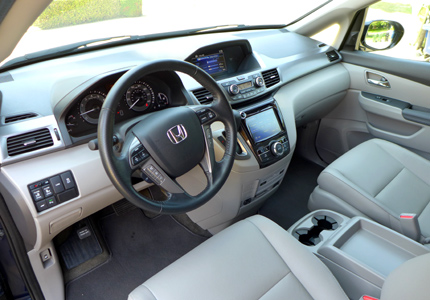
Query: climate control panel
{"x": 273, "y": 150}
{"x": 244, "y": 87}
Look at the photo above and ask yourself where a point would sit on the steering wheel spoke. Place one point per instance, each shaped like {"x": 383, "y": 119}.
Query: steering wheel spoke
{"x": 156, "y": 174}
{"x": 206, "y": 114}
{"x": 208, "y": 162}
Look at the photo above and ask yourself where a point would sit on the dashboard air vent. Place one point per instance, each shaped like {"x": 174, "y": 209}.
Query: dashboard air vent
{"x": 332, "y": 55}
{"x": 203, "y": 95}
{"x": 16, "y": 118}
{"x": 271, "y": 77}
{"x": 30, "y": 141}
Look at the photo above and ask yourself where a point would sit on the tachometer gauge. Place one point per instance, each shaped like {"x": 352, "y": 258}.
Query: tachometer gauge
{"x": 162, "y": 100}
{"x": 139, "y": 96}
{"x": 90, "y": 107}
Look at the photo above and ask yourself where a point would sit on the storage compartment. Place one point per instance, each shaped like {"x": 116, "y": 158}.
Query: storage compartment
{"x": 378, "y": 249}
{"x": 364, "y": 253}
{"x": 359, "y": 252}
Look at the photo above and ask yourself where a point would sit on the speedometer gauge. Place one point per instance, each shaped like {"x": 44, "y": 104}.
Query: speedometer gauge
{"x": 139, "y": 96}
{"x": 90, "y": 107}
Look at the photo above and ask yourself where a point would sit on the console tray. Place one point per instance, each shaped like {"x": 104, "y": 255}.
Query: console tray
{"x": 370, "y": 250}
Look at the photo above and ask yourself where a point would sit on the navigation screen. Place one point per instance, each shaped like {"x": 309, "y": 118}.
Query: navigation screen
{"x": 212, "y": 63}
{"x": 263, "y": 125}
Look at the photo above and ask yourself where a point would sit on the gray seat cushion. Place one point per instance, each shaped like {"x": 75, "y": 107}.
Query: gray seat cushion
{"x": 379, "y": 180}
{"x": 252, "y": 259}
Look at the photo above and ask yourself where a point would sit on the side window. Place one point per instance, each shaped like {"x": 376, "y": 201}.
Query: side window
{"x": 386, "y": 21}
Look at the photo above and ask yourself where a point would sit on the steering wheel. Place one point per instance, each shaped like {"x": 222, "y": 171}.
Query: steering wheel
{"x": 168, "y": 143}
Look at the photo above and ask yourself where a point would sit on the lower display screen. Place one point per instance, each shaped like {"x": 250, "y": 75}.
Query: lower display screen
{"x": 263, "y": 125}
{"x": 212, "y": 63}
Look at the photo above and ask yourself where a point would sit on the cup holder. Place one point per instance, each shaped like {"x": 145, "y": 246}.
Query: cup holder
{"x": 311, "y": 236}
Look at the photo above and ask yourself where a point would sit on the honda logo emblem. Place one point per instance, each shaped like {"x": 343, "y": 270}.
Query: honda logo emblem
{"x": 177, "y": 134}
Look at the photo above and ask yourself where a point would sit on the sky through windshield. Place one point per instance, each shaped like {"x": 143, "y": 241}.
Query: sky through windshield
{"x": 69, "y": 21}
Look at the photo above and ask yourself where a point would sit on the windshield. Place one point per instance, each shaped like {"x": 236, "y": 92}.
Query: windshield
{"x": 66, "y": 22}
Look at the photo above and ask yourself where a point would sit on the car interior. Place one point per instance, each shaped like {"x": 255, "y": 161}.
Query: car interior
{"x": 228, "y": 162}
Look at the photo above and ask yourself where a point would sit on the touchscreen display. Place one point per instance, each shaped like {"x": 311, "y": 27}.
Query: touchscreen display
{"x": 212, "y": 63}
{"x": 263, "y": 125}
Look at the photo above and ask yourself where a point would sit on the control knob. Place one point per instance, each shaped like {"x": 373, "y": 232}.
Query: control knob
{"x": 233, "y": 89}
{"x": 277, "y": 149}
{"x": 259, "y": 81}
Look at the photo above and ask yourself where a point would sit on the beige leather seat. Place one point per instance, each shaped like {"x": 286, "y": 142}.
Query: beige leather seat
{"x": 253, "y": 259}
{"x": 379, "y": 180}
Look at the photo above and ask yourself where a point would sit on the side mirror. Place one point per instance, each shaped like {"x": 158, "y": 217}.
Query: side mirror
{"x": 381, "y": 35}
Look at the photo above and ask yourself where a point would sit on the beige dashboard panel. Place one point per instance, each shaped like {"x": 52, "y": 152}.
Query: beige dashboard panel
{"x": 95, "y": 190}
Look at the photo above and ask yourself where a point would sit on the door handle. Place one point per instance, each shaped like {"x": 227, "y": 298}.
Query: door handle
{"x": 381, "y": 83}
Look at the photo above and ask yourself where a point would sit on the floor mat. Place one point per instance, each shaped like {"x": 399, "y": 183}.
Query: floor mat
{"x": 290, "y": 201}
{"x": 140, "y": 247}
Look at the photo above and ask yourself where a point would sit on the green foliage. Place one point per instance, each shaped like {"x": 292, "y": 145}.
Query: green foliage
{"x": 61, "y": 13}
{"x": 378, "y": 26}
{"x": 393, "y": 7}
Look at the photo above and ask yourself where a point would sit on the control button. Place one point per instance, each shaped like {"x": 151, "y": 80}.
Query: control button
{"x": 265, "y": 156}
{"x": 277, "y": 149}
{"x": 154, "y": 174}
{"x": 45, "y": 182}
{"x": 37, "y": 194}
{"x": 67, "y": 195}
{"x": 225, "y": 84}
{"x": 35, "y": 185}
{"x": 68, "y": 181}
{"x": 135, "y": 160}
{"x": 57, "y": 184}
{"x": 211, "y": 115}
{"x": 204, "y": 118}
{"x": 233, "y": 89}
{"x": 51, "y": 202}
{"x": 137, "y": 149}
{"x": 45, "y": 255}
{"x": 222, "y": 140}
{"x": 41, "y": 205}
{"x": 47, "y": 191}
{"x": 259, "y": 81}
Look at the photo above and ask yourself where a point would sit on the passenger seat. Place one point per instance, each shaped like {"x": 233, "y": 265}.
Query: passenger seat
{"x": 379, "y": 180}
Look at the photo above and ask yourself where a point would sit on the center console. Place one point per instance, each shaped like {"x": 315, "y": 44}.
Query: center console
{"x": 359, "y": 252}
{"x": 264, "y": 130}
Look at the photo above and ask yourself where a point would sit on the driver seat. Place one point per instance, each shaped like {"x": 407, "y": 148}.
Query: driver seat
{"x": 252, "y": 259}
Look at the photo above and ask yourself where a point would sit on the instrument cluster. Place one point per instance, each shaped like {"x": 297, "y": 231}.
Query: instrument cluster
{"x": 145, "y": 95}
